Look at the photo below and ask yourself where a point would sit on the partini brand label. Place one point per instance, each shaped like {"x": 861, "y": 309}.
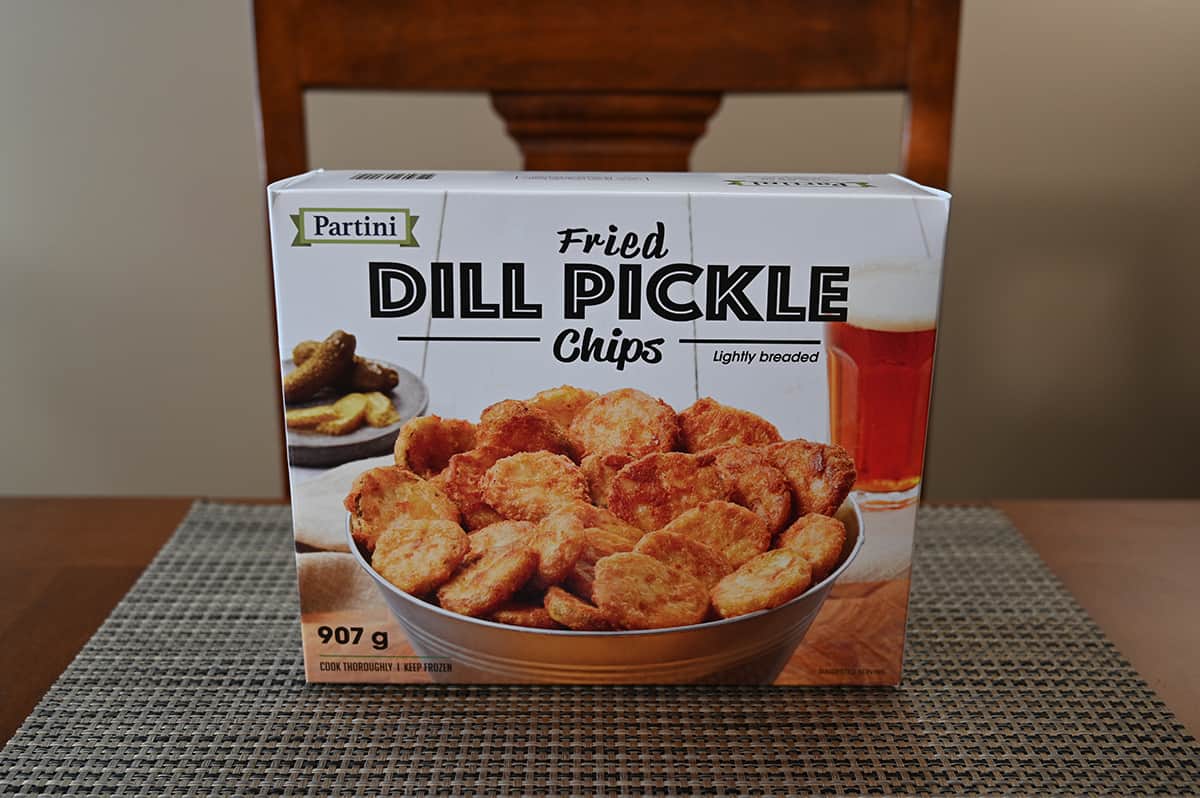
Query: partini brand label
{"x": 354, "y": 226}
{"x": 605, "y": 428}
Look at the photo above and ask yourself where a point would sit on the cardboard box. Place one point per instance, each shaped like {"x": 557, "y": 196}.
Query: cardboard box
{"x": 568, "y": 427}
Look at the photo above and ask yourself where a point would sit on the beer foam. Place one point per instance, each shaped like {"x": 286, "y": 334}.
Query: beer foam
{"x": 895, "y": 295}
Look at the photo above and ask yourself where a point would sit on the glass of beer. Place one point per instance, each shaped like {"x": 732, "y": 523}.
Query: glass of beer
{"x": 880, "y": 366}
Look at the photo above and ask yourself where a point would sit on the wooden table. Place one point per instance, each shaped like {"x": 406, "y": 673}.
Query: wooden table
{"x": 1131, "y": 564}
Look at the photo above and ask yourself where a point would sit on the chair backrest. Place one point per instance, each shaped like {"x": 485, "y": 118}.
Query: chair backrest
{"x": 609, "y": 84}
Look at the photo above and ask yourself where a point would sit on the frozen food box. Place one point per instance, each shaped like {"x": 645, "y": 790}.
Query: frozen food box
{"x": 605, "y": 428}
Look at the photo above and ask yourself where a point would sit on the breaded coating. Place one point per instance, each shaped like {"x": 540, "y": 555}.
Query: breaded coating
{"x": 419, "y": 556}
{"x": 519, "y": 613}
{"x": 558, "y": 547}
{"x": 562, "y": 403}
{"x": 511, "y": 426}
{"x": 309, "y": 417}
{"x": 558, "y": 550}
{"x": 819, "y": 538}
{"x": 639, "y": 592}
{"x": 382, "y": 496}
{"x": 462, "y": 481}
{"x": 426, "y": 443}
{"x": 729, "y": 529}
{"x": 767, "y": 581}
{"x": 497, "y": 536}
{"x": 575, "y": 613}
{"x": 755, "y": 483}
{"x": 598, "y": 544}
{"x": 530, "y": 485}
{"x": 367, "y": 375}
{"x": 380, "y": 411}
{"x": 821, "y": 475}
{"x": 483, "y": 586}
{"x": 599, "y": 469}
{"x": 303, "y": 351}
{"x": 626, "y": 421}
{"x": 321, "y": 369}
{"x": 351, "y": 412}
{"x": 688, "y": 555}
{"x": 583, "y": 516}
{"x": 363, "y": 375}
{"x": 654, "y": 489}
{"x": 708, "y": 423}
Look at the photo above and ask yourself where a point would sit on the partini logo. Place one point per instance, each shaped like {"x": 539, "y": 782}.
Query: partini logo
{"x": 354, "y": 226}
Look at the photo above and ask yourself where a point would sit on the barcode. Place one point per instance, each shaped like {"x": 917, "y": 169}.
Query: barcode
{"x": 393, "y": 176}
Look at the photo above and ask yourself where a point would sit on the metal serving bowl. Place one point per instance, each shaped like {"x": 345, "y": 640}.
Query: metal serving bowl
{"x": 749, "y": 649}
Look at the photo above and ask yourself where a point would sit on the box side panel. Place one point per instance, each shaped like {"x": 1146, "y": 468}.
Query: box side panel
{"x": 347, "y": 632}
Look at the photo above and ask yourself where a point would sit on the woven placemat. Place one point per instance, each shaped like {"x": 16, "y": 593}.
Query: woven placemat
{"x": 194, "y": 684}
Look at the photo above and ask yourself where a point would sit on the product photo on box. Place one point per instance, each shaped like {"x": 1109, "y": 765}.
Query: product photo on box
{"x": 614, "y": 428}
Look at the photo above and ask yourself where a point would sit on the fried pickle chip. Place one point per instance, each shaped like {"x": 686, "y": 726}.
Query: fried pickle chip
{"x": 819, "y": 538}
{"x": 519, "y": 613}
{"x": 382, "y": 496}
{"x": 512, "y": 426}
{"x": 351, "y": 412}
{"x": 768, "y": 580}
{"x": 575, "y": 613}
{"x": 497, "y": 536}
{"x": 639, "y": 592}
{"x": 688, "y": 555}
{"x": 562, "y": 403}
{"x": 530, "y": 485}
{"x": 821, "y": 475}
{"x": 755, "y": 483}
{"x": 380, "y": 411}
{"x": 426, "y": 443}
{"x": 652, "y": 490}
{"x": 483, "y": 586}
{"x": 598, "y": 544}
{"x": 462, "y": 481}
{"x": 599, "y": 470}
{"x": 626, "y": 421}
{"x": 419, "y": 556}
{"x": 309, "y": 417}
{"x": 727, "y": 528}
{"x": 558, "y": 549}
{"x": 583, "y": 516}
{"x": 708, "y": 423}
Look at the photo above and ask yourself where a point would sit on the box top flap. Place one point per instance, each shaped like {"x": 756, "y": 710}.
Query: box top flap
{"x": 824, "y": 185}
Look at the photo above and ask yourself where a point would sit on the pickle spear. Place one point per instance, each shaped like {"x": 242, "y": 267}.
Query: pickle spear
{"x": 329, "y": 361}
{"x": 363, "y": 375}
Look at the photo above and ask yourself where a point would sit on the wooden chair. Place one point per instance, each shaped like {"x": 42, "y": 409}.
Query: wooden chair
{"x": 609, "y": 85}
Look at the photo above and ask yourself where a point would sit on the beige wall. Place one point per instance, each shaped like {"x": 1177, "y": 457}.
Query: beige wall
{"x": 136, "y": 353}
